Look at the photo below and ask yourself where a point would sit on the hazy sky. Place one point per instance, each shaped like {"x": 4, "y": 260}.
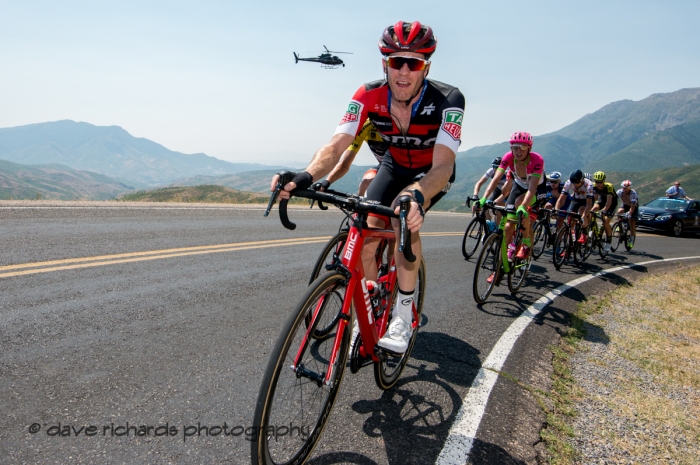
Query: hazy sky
{"x": 220, "y": 78}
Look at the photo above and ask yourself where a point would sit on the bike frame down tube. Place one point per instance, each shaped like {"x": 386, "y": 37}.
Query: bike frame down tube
{"x": 352, "y": 260}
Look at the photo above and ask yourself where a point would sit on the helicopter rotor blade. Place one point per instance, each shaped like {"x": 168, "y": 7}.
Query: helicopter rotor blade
{"x": 330, "y": 51}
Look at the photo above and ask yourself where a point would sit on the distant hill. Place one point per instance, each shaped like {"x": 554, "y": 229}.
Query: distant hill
{"x": 259, "y": 181}
{"x": 108, "y": 150}
{"x": 662, "y": 130}
{"x": 198, "y": 194}
{"x": 202, "y": 194}
{"x": 55, "y": 182}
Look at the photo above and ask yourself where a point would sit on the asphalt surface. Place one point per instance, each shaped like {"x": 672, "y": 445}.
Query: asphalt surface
{"x": 181, "y": 338}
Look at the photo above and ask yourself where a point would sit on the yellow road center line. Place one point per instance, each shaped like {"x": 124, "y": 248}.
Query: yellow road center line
{"x": 160, "y": 252}
{"x": 102, "y": 260}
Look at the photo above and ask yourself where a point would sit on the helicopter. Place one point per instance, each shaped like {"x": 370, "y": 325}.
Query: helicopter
{"x": 327, "y": 60}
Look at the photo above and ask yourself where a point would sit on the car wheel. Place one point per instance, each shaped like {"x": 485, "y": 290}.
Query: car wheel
{"x": 677, "y": 228}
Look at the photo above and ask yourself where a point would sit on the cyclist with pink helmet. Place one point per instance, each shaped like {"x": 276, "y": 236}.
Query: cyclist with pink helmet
{"x": 529, "y": 184}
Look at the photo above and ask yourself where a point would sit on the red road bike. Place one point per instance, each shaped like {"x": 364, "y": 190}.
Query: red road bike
{"x": 306, "y": 366}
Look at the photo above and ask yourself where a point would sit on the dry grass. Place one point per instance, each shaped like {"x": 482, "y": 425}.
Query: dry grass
{"x": 654, "y": 407}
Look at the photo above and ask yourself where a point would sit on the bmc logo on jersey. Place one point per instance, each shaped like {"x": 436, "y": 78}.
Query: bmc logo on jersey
{"x": 453, "y": 123}
{"x": 353, "y": 113}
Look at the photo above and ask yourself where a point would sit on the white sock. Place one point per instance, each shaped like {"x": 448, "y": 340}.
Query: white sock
{"x": 404, "y": 305}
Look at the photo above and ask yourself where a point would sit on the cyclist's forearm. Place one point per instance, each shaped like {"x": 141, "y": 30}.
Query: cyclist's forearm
{"x": 327, "y": 157}
{"x": 343, "y": 166}
{"x": 478, "y": 185}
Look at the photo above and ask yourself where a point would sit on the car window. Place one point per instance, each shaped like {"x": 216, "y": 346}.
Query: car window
{"x": 694, "y": 205}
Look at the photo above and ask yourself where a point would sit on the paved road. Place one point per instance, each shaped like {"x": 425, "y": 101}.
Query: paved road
{"x": 165, "y": 317}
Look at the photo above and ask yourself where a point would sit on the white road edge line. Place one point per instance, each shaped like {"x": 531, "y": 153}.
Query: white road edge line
{"x": 463, "y": 433}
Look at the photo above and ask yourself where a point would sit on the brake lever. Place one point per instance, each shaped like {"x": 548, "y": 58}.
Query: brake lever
{"x": 405, "y": 236}
{"x": 284, "y": 178}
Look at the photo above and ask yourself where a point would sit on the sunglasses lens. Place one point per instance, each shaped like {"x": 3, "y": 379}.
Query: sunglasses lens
{"x": 414, "y": 64}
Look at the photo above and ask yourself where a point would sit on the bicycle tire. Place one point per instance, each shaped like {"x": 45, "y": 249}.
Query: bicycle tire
{"x": 388, "y": 371}
{"x": 616, "y": 233}
{"x": 587, "y": 247}
{"x": 472, "y": 237}
{"x": 489, "y": 262}
{"x": 518, "y": 273}
{"x": 284, "y": 393}
{"x": 330, "y": 255}
{"x": 602, "y": 240}
{"x": 629, "y": 242}
{"x": 561, "y": 246}
{"x": 540, "y": 239}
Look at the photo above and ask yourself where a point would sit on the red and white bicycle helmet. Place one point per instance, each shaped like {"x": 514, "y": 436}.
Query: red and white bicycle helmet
{"x": 408, "y": 37}
{"x": 626, "y": 183}
{"x": 521, "y": 138}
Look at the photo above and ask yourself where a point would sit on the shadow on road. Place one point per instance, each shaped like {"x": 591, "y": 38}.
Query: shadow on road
{"x": 414, "y": 418}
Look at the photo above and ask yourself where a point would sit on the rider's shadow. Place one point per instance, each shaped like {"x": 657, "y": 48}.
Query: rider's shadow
{"x": 414, "y": 418}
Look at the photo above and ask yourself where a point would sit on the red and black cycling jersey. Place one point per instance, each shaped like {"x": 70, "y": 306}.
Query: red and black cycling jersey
{"x": 436, "y": 118}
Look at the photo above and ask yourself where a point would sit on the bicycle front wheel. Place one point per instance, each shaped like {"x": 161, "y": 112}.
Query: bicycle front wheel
{"x": 587, "y": 247}
{"x": 616, "y": 234}
{"x": 387, "y": 372}
{"x": 602, "y": 241}
{"x": 518, "y": 272}
{"x": 330, "y": 255}
{"x": 295, "y": 401}
{"x": 472, "y": 237}
{"x": 488, "y": 267}
{"x": 561, "y": 247}
{"x": 540, "y": 238}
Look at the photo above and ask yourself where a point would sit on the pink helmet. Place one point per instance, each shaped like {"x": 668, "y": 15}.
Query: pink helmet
{"x": 521, "y": 138}
{"x": 626, "y": 183}
{"x": 408, "y": 37}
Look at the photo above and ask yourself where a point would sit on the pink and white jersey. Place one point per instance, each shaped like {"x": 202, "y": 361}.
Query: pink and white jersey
{"x": 582, "y": 192}
{"x": 535, "y": 167}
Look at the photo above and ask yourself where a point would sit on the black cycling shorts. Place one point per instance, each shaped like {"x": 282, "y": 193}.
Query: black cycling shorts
{"x": 610, "y": 211}
{"x": 576, "y": 204}
{"x": 634, "y": 216}
{"x": 392, "y": 179}
{"x": 517, "y": 190}
{"x": 495, "y": 194}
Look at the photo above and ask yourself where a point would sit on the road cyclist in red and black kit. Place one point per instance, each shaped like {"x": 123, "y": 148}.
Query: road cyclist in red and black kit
{"x": 529, "y": 184}
{"x": 421, "y": 120}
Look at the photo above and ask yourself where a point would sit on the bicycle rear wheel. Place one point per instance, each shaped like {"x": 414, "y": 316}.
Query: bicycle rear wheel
{"x": 387, "y": 372}
{"x": 540, "y": 238}
{"x": 561, "y": 246}
{"x": 629, "y": 241}
{"x": 472, "y": 237}
{"x": 296, "y": 399}
{"x": 616, "y": 233}
{"x": 488, "y": 266}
